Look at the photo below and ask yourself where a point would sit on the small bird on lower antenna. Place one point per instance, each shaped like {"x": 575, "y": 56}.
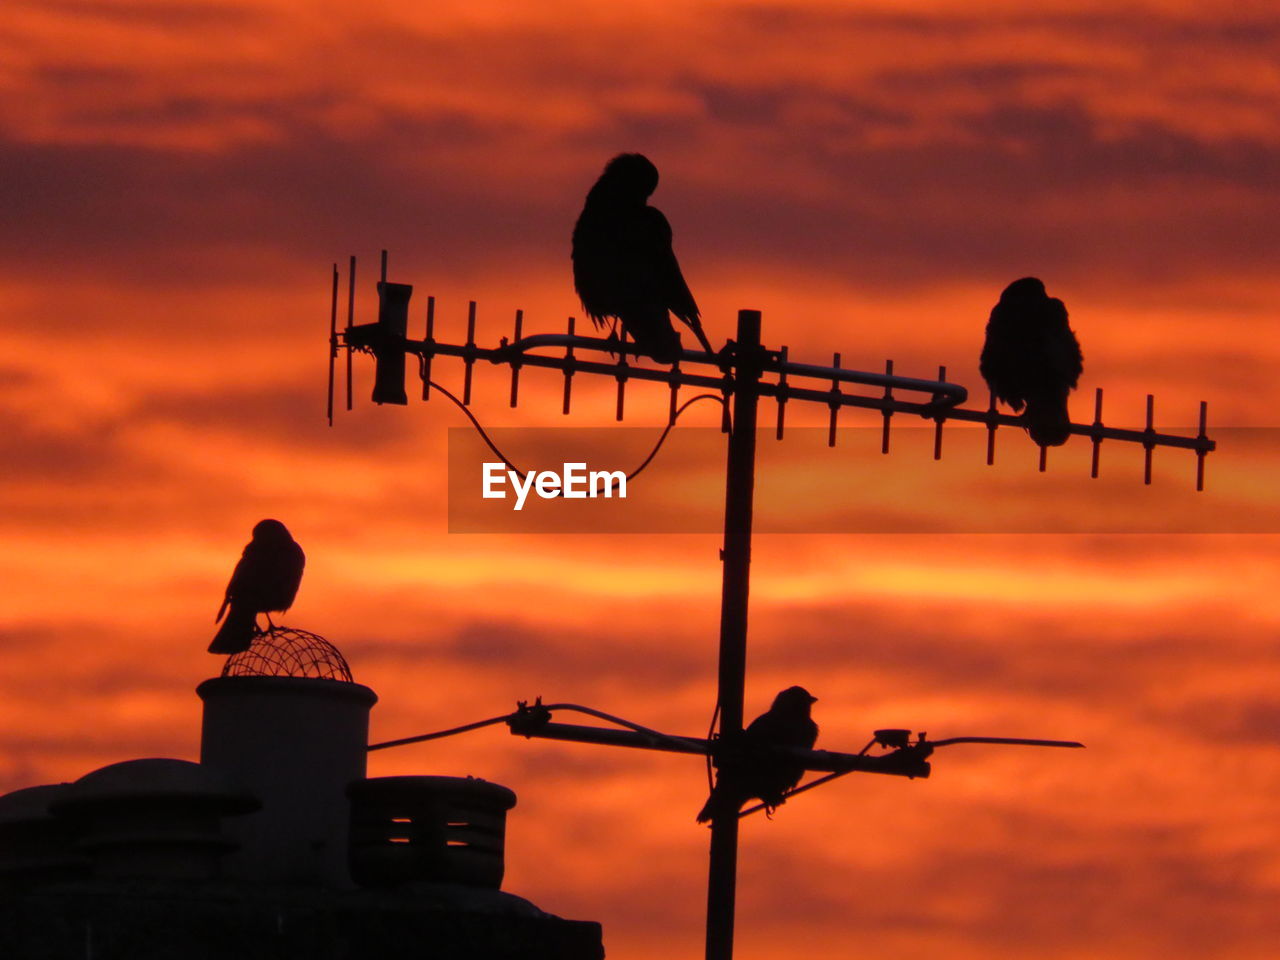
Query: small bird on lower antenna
{"x": 266, "y": 579}
{"x": 758, "y": 766}
{"x": 1032, "y": 359}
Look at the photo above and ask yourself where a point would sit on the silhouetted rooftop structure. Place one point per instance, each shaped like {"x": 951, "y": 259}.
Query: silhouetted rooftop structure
{"x": 245, "y": 854}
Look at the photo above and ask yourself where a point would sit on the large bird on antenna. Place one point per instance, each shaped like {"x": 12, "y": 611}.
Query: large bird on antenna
{"x": 266, "y": 579}
{"x": 758, "y": 765}
{"x": 623, "y": 263}
{"x": 1032, "y": 359}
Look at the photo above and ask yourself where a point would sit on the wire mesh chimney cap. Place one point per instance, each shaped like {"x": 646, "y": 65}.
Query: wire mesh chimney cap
{"x": 289, "y": 652}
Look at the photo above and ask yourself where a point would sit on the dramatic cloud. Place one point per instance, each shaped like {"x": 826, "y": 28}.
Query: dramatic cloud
{"x": 177, "y": 180}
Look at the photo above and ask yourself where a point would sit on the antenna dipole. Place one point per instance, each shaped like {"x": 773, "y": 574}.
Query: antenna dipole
{"x": 351, "y": 319}
{"x": 333, "y": 341}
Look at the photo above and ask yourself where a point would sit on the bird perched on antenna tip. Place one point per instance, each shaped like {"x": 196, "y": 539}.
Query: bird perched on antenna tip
{"x": 624, "y": 266}
{"x": 758, "y": 765}
{"x": 266, "y": 579}
{"x": 1032, "y": 359}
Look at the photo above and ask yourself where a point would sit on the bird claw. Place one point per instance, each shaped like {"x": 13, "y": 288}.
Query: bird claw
{"x": 613, "y": 338}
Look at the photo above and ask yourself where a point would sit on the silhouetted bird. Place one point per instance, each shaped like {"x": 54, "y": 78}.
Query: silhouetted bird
{"x": 623, "y": 263}
{"x": 265, "y": 579}
{"x": 755, "y": 766}
{"x": 1031, "y": 358}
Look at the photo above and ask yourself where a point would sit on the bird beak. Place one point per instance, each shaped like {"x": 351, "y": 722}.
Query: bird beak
{"x": 813, "y": 699}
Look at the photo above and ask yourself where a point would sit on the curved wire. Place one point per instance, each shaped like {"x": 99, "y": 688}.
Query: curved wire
{"x": 671, "y": 423}
{"x": 599, "y": 714}
{"x": 630, "y": 476}
{"x": 648, "y": 731}
{"x": 440, "y": 733}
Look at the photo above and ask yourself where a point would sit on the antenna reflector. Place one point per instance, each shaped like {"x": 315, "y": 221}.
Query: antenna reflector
{"x": 333, "y": 339}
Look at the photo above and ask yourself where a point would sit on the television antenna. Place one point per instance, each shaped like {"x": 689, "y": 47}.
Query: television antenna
{"x": 743, "y": 373}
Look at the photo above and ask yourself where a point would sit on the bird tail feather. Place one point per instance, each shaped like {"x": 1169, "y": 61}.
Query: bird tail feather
{"x": 1048, "y": 422}
{"x": 717, "y": 805}
{"x": 696, "y": 326}
{"x": 236, "y": 633}
{"x": 662, "y": 345}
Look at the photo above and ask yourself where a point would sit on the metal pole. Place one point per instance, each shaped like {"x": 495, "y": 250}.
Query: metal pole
{"x": 736, "y": 557}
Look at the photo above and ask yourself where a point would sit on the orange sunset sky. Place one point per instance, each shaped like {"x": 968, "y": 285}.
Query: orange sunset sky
{"x": 178, "y": 176}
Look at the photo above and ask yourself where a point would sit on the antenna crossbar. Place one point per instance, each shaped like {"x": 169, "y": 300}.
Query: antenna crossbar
{"x": 943, "y": 405}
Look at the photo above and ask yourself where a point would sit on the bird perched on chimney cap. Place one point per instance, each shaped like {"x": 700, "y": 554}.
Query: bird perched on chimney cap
{"x": 266, "y": 579}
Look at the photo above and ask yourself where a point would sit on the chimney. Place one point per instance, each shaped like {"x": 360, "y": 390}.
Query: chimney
{"x": 428, "y": 829}
{"x": 286, "y": 720}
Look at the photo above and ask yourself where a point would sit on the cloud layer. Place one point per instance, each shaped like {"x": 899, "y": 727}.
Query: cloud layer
{"x": 178, "y": 178}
